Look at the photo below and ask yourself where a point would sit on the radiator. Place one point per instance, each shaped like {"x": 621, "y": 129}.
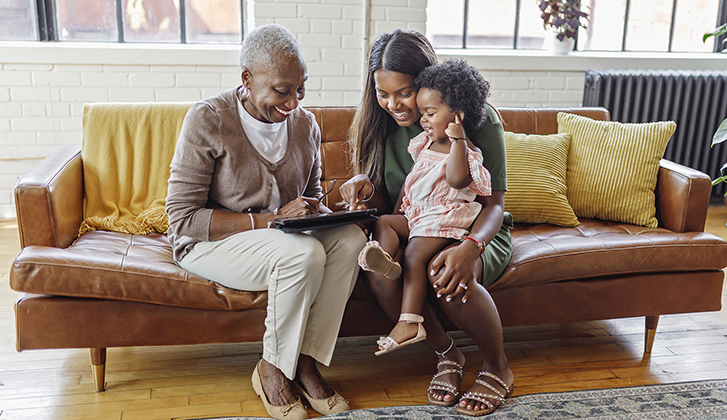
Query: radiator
{"x": 696, "y": 100}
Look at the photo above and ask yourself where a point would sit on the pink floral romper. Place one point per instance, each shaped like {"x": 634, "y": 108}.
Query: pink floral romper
{"x": 432, "y": 207}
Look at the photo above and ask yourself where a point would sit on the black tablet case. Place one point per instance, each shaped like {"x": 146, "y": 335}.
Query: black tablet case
{"x": 323, "y": 220}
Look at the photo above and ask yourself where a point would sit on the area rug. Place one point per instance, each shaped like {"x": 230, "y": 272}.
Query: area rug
{"x": 690, "y": 400}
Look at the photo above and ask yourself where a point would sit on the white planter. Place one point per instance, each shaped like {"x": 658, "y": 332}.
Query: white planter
{"x": 561, "y": 47}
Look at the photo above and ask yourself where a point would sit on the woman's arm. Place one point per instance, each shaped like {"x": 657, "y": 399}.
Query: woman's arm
{"x": 458, "y": 264}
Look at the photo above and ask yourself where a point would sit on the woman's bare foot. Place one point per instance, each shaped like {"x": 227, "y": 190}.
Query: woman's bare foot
{"x": 309, "y": 377}
{"x": 275, "y": 385}
{"x": 453, "y": 378}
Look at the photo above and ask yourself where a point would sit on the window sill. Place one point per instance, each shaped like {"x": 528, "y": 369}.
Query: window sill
{"x": 523, "y": 60}
{"x": 118, "y": 54}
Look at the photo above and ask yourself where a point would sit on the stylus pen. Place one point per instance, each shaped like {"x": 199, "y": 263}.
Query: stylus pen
{"x": 329, "y": 191}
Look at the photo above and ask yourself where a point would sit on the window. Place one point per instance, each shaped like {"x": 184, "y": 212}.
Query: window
{"x": 164, "y": 21}
{"x": 613, "y": 25}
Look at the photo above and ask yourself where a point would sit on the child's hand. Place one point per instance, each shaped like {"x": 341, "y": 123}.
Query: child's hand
{"x": 455, "y": 130}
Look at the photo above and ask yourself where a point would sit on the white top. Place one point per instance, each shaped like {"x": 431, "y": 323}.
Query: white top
{"x": 270, "y": 140}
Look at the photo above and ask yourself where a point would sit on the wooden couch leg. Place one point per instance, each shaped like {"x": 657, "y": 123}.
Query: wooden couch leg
{"x": 651, "y": 323}
{"x": 98, "y": 366}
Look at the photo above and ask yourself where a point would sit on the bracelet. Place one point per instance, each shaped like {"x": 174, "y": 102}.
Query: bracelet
{"x": 480, "y": 245}
{"x": 252, "y": 221}
{"x": 373, "y": 191}
{"x": 454, "y": 139}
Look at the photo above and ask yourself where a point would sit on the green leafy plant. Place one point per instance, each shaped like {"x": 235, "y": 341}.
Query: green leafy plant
{"x": 720, "y": 135}
{"x": 564, "y": 16}
{"x": 721, "y": 30}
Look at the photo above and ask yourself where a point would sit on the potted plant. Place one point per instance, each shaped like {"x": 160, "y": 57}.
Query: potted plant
{"x": 721, "y": 134}
{"x": 563, "y": 17}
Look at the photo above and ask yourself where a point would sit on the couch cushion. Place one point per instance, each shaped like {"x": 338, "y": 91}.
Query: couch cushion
{"x": 546, "y": 253}
{"x": 121, "y": 266}
{"x": 612, "y": 168}
{"x": 536, "y": 168}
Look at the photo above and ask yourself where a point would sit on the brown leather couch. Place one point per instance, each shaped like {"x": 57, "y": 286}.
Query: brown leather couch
{"x": 107, "y": 289}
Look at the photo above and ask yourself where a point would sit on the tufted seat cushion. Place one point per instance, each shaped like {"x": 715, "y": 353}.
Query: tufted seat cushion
{"x": 545, "y": 253}
{"x": 120, "y": 266}
{"x": 138, "y": 268}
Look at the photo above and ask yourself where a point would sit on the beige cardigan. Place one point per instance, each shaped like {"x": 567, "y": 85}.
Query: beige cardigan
{"x": 216, "y": 167}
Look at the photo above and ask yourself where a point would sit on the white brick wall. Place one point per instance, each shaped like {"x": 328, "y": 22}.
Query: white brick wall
{"x": 43, "y": 86}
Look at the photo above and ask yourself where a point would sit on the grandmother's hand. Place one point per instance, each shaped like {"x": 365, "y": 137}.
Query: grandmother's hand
{"x": 355, "y": 190}
{"x": 455, "y": 266}
{"x": 301, "y": 206}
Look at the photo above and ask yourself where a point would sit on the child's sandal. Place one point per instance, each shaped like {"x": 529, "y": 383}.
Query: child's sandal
{"x": 388, "y": 344}
{"x": 374, "y": 258}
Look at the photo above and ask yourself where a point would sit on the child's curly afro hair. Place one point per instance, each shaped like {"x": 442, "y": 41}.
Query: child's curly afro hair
{"x": 462, "y": 87}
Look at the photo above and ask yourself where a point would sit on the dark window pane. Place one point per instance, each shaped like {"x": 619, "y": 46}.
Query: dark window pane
{"x": 18, "y": 21}
{"x": 213, "y": 21}
{"x": 445, "y": 23}
{"x": 151, "y": 20}
{"x": 86, "y": 20}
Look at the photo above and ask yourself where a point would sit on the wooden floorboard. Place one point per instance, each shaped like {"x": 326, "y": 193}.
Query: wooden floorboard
{"x": 181, "y": 382}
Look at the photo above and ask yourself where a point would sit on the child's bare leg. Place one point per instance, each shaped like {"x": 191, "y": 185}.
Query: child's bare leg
{"x": 417, "y": 255}
{"x": 389, "y": 232}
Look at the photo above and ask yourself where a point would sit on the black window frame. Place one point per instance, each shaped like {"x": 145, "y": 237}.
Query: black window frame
{"x": 48, "y": 23}
{"x": 721, "y": 18}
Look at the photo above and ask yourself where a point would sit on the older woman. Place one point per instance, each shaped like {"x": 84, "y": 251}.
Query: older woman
{"x": 385, "y": 122}
{"x": 245, "y": 157}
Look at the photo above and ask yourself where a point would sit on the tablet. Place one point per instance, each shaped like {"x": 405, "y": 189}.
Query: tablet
{"x": 323, "y": 220}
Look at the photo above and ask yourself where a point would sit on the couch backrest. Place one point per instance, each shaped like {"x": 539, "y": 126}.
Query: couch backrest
{"x": 335, "y": 122}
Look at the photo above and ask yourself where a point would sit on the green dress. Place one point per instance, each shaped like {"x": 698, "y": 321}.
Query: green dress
{"x": 490, "y": 139}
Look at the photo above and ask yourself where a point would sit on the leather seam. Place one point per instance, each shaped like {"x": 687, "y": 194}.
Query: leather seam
{"x": 106, "y": 270}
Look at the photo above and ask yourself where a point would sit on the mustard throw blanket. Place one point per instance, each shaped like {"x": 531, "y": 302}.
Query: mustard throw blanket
{"x": 126, "y": 153}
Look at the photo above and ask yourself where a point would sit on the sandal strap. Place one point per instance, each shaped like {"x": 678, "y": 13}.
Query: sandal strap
{"x": 490, "y": 387}
{"x": 444, "y": 386}
{"x": 483, "y": 398}
{"x": 411, "y": 318}
{"x": 496, "y": 378}
{"x": 451, "y": 363}
{"x": 387, "y": 343}
{"x": 448, "y": 371}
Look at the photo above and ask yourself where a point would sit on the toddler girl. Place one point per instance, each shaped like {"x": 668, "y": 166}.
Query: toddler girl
{"x": 437, "y": 203}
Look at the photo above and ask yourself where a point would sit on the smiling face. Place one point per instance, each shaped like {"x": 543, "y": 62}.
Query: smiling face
{"x": 275, "y": 91}
{"x": 396, "y": 96}
{"x": 436, "y": 115}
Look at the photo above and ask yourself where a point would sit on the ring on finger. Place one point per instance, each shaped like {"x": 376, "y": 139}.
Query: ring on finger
{"x": 462, "y": 285}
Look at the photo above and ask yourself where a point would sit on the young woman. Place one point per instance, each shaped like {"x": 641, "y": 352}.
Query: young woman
{"x": 387, "y": 118}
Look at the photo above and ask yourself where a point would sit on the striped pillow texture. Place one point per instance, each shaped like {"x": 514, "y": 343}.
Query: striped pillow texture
{"x": 613, "y": 166}
{"x": 536, "y": 171}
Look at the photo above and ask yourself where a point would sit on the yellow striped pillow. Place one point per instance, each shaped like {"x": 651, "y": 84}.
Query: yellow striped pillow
{"x": 536, "y": 170}
{"x": 612, "y": 168}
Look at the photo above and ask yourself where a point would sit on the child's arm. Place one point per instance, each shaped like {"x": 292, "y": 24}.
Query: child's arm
{"x": 458, "y": 169}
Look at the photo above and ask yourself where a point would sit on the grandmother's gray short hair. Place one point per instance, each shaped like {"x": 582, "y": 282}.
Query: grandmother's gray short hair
{"x": 265, "y": 43}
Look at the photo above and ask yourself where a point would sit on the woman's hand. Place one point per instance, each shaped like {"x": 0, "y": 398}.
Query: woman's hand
{"x": 455, "y": 266}
{"x": 301, "y": 206}
{"x": 355, "y": 190}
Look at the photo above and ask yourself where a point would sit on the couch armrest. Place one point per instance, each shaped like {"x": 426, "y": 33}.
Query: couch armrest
{"x": 49, "y": 200}
{"x": 682, "y": 197}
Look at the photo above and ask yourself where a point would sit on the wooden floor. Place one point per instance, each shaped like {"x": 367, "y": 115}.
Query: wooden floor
{"x": 214, "y": 380}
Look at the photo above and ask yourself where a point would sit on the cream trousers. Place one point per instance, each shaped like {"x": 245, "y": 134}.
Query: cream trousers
{"x": 309, "y": 278}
